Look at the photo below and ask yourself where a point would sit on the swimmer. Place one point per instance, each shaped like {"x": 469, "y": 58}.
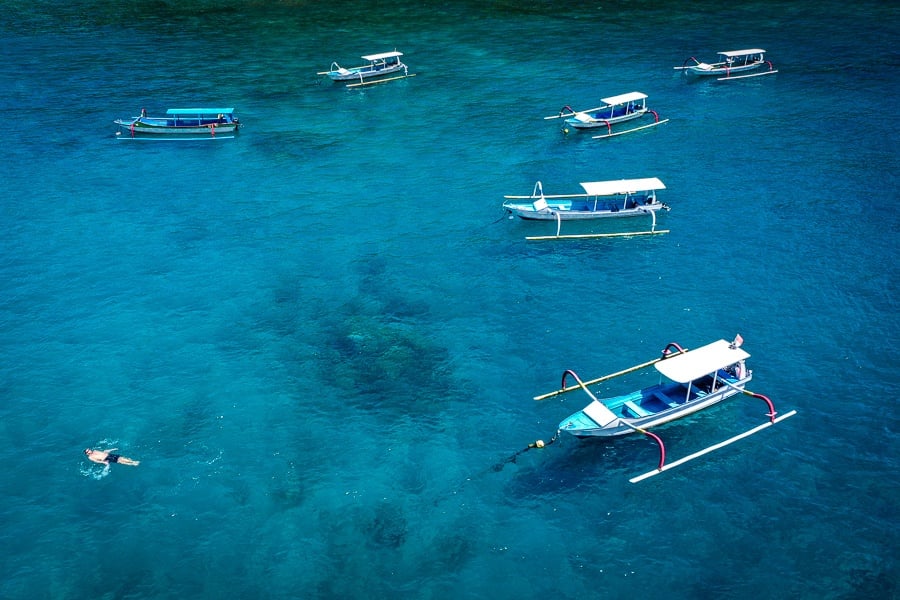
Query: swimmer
{"x": 106, "y": 457}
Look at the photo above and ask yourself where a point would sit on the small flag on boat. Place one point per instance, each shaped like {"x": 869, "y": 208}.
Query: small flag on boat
{"x": 738, "y": 340}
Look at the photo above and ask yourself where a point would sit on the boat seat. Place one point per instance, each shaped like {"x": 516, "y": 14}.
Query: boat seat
{"x": 599, "y": 413}
{"x": 665, "y": 399}
{"x": 636, "y": 410}
{"x": 540, "y": 205}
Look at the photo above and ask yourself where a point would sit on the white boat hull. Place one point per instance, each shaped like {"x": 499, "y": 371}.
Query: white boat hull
{"x": 552, "y": 213}
{"x": 705, "y": 70}
{"x": 362, "y": 73}
{"x": 618, "y": 428}
{"x": 599, "y": 121}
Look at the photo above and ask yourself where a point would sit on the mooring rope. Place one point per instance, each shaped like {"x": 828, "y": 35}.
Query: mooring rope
{"x": 505, "y": 216}
{"x": 535, "y": 444}
{"x": 493, "y": 469}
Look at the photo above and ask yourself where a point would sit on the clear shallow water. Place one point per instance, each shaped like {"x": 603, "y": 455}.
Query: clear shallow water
{"x": 322, "y": 339}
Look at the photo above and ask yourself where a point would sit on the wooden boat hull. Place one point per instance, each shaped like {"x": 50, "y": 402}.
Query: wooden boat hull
{"x": 628, "y": 407}
{"x": 150, "y": 126}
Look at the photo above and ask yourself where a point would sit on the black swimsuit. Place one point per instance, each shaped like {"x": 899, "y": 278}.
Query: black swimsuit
{"x": 111, "y": 458}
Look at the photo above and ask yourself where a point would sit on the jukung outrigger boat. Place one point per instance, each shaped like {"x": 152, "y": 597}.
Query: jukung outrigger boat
{"x": 377, "y": 69}
{"x": 602, "y": 199}
{"x": 730, "y": 62}
{"x": 182, "y": 123}
{"x": 615, "y": 109}
{"x": 694, "y": 380}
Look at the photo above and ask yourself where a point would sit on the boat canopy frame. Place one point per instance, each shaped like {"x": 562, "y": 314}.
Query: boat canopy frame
{"x": 382, "y": 55}
{"x": 622, "y": 99}
{"x": 622, "y": 186}
{"x": 736, "y": 53}
{"x": 702, "y": 361}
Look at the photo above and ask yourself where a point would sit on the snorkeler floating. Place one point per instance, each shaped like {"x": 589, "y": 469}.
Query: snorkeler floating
{"x": 106, "y": 457}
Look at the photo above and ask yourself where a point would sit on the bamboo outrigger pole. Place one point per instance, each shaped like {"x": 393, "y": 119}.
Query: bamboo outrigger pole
{"x": 562, "y": 114}
{"x": 373, "y": 82}
{"x": 712, "y": 448}
{"x": 726, "y": 78}
{"x": 611, "y": 134}
{"x": 608, "y": 377}
{"x": 585, "y": 236}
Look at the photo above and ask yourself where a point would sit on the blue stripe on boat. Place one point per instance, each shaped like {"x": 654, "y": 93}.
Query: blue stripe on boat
{"x": 198, "y": 111}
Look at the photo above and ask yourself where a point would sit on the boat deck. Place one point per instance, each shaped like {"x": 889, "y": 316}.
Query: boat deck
{"x": 657, "y": 399}
{"x": 586, "y": 205}
{"x": 608, "y": 113}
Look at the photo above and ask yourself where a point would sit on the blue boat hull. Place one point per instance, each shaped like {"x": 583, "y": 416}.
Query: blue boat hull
{"x": 649, "y": 407}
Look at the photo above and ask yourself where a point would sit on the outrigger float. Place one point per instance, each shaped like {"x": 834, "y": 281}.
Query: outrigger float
{"x": 695, "y": 380}
{"x": 602, "y": 199}
{"x": 615, "y": 109}
{"x": 730, "y": 62}
{"x": 376, "y": 71}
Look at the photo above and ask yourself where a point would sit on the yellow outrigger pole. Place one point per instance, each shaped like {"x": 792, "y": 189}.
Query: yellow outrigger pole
{"x": 563, "y": 390}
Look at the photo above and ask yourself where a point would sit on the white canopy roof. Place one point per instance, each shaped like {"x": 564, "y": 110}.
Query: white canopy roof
{"x": 742, "y": 52}
{"x": 622, "y": 186}
{"x": 382, "y": 55}
{"x": 623, "y": 98}
{"x": 702, "y": 361}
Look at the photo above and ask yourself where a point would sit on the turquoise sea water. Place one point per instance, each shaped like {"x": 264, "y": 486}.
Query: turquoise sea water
{"x": 322, "y": 338}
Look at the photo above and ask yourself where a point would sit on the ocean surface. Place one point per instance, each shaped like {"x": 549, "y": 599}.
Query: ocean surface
{"x": 322, "y": 338}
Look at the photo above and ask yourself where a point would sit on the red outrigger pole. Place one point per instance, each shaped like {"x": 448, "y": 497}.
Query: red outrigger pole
{"x": 666, "y": 352}
{"x": 609, "y": 132}
{"x": 662, "y": 453}
{"x": 653, "y": 436}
